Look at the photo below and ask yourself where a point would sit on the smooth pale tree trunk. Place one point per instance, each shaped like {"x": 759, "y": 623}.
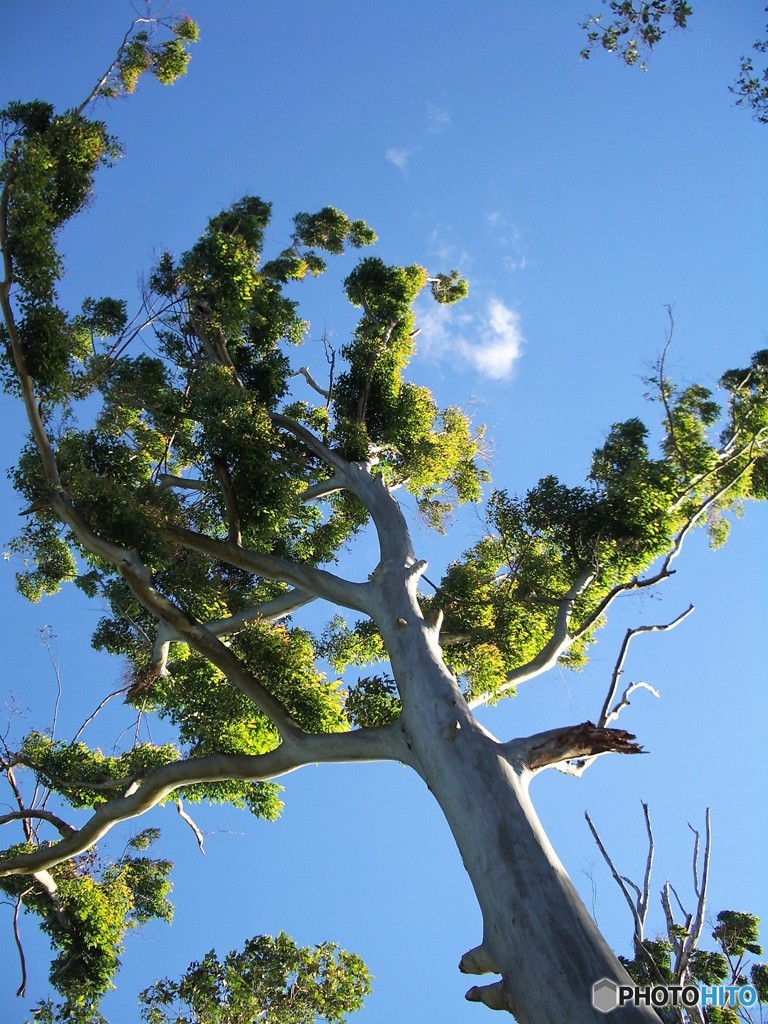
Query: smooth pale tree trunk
{"x": 537, "y": 933}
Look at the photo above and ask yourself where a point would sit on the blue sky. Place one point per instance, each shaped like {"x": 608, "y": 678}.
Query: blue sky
{"x": 579, "y": 198}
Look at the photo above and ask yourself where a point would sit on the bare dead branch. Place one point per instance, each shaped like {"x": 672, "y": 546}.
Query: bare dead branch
{"x": 696, "y": 927}
{"x": 21, "y": 990}
{"x": 186, "y": 818}
{"x": 607, "y": 714}
{"x": 303, "y": 371}
{"x": 554, "y": 746}
{"x": 102, "y": 703}
{"x": 618, "y": 878}
{"x": 646, "y": 894}
{"x": 662, "y": 384}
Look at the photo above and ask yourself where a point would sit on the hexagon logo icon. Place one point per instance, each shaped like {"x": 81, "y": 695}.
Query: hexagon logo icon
{"x": 605, "y": 995}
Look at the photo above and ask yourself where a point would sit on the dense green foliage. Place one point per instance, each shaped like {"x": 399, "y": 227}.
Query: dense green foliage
{"x": 270, "y": 979}
{"x": 95, "y": 904}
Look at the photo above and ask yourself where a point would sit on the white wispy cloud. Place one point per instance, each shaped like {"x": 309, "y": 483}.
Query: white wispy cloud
{"x": 490, "y": 341}
{"x": 499, "y": 343}
{"x": 398, "y": 157}
{"x": 508, "y": 239}
{"x": 446, "y": 250}
{"x": 438, "y": 119}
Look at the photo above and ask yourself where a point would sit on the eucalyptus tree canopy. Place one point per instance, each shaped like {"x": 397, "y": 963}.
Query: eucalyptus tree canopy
{"x": 195, "y": 497}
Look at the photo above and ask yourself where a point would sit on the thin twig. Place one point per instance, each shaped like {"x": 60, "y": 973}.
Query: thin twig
{"x": 21, "y": 990}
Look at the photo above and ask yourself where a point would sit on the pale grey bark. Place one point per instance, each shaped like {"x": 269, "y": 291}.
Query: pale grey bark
{"x": 537, "y": 935}
{"x": 303, "y": 371}
{"x": 141, "y": 795}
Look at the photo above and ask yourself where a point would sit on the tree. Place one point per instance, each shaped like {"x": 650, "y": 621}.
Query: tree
{"x": 269, "y": 979}
{"x": 191, "y": 494}
{"x": 675, "y": 956}
{"x": 638, "y": 27}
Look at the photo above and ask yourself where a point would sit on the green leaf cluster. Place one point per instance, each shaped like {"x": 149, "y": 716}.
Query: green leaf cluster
{"x": 636, "y": 28}
{"x": 379, "y": 414}
{"x": 53, "y": 560}
{"x": 359, "y": 645}
{"x": 95, "y": 905}
{"x": 373, "y": 702}
{"x": 140, "y": 53}
{"x": 80, "y": 774}
{"x": 46, "y": 177}
{"x": 269, "y": 979}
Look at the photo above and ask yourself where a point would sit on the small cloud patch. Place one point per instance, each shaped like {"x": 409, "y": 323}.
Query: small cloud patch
{"x": 499, "y": 343}
{"x": 398, "y": 157}
{"x": 490, "y": 342}
{"x": 438, "y": 119}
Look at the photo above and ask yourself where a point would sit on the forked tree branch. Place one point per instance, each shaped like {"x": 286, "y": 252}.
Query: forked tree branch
{"x": 205, "y": 643}
{"x": 270, "y": 611}
{"x": 303, "y": 371}
{"x": 694, "y": 924}
{"x": 63, "y": 827}
{"x": 609, "y": 713}
{"x": 384, "y": 744}
{"x": 394, "y": 537}
{"x": 635, "y": 908}
{"x": 559, "y": 642}
{"x": 683, "y": 946}
{"x": 317, "y": 582}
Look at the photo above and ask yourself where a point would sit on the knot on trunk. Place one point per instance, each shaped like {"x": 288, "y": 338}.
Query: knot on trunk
{"x": 477, "y": 961}
{"x": 493, "y": 996}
